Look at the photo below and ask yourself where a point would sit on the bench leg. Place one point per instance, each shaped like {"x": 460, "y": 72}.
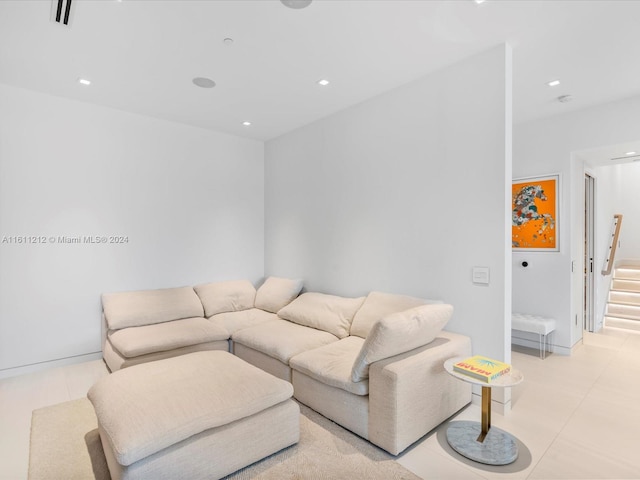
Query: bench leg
{"x": 540, "y": 346}
{"x": 545, "y": 345}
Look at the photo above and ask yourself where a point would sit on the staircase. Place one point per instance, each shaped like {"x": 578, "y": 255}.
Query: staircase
{"x": 623, "y": 305}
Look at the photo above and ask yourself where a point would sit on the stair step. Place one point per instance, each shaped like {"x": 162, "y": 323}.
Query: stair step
{"x": 625, "y": 285}
{"x": 631, "y": 312}
{"x": 628, "y": 262}
{"x": 626, "y": 298}
{"x": 621, "y": 323}
{"x": 627, "y": 273}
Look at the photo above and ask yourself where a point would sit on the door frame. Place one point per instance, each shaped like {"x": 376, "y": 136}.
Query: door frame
{"x": 589, "y": 280}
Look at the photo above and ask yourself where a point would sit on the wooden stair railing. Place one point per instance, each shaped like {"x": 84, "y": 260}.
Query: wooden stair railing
{"x": 611, "y": 253}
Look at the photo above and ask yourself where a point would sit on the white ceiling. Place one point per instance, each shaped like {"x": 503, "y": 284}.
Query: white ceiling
{"x": 607, "y": 155}
{"x": 142, "y": 55}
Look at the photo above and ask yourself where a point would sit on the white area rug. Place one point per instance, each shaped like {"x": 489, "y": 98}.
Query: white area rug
{"x": 65, "y": 445}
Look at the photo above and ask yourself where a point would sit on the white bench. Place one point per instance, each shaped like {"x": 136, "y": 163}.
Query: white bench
{"x": 543, "y": 326}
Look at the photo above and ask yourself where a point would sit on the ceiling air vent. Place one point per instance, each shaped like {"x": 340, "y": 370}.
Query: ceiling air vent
{"x": 61, "y": 11}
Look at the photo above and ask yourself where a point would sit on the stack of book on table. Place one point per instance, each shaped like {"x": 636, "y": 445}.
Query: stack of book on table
{"x": 482, "y": 368}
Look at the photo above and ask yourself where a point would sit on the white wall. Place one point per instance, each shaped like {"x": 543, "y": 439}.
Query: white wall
{"x": 190, "y": 201}
{"x": 548, "y": 286}
{"x": 404, "y": 193}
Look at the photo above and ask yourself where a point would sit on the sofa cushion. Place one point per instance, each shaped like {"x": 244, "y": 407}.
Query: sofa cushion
{"x": 332, "y": 364}
{"x": 399, "y": 333}
{"x": 281, "y": 339}
{"x": 161, "y": 337}
{"x": 146, "y": 307}
{"x": 221, "y": 297}
{"x": 276, "y": 292}
{"x": 234, "y": 321}
{"x": 378, "y": 305}
{"x": 152, "y": 406}
{"x": 330, "y": 313}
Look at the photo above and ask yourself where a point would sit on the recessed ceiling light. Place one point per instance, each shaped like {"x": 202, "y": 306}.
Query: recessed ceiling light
{"x": 554, "y": 83}
{"x": 84, "y": 81}
{"x": 324, "y": 82}
{"x": 228, "y": 41}
{"x": 246, "y": 124}
{"x": 204, "y": 82}
{"x": 630, "y": 153}
{"x": 297, "y": 4}
{"x": 479, "y": 2}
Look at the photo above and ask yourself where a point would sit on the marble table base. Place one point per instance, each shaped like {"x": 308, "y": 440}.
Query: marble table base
{"x": 498, "y": 447}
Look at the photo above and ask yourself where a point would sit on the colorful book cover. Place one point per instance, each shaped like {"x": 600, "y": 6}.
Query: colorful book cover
{"x": 482, "y": 368}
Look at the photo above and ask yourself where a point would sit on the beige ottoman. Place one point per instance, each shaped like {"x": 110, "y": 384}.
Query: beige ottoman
{"x": 202, "y": 415}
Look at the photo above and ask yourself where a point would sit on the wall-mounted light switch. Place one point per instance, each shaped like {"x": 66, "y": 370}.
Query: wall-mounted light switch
{"x": 480, "y": 275}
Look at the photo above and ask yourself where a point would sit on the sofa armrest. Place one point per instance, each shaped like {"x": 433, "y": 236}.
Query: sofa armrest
{"x": 410, "y": 394}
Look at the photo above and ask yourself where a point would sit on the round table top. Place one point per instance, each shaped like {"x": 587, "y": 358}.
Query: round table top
{"x": 514, "y": 377}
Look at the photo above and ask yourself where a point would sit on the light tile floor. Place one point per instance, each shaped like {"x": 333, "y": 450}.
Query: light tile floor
{"x": 574, "y": 417}
{"x": 19, "y": 396}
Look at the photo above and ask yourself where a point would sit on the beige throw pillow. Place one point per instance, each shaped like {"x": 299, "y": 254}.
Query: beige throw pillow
{"x": 276, "y": 292}
{"x": 230, "y": 296}
{"x": 146, "y": 307}
{"x": 399, "y": 333}
{"x": 330, "y": 313}
{"x": 378, "y": 305}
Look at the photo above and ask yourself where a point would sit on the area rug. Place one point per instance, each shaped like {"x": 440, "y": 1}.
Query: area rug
{"x": 65, "y": 445}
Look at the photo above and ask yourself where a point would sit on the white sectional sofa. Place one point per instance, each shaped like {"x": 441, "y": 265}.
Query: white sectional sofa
{"x": 372, "y": 364}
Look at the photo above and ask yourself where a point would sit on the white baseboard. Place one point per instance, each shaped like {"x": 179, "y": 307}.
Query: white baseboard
{"x": 60, "y": 362}
{"x": 535, "y": 344}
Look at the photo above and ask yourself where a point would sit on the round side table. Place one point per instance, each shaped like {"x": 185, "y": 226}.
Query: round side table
{"x": 477, "y": 440}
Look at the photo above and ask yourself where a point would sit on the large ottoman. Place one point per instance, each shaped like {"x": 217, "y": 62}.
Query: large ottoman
{"x": 201, "y": 415}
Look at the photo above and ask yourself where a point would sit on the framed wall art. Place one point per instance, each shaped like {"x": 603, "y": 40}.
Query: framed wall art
{"x": 534, "y": 214}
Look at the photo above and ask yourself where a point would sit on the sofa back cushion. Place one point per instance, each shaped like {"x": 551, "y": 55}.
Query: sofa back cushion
{"x": 378, "y": 305}
{"x": 276, "y": 292}
{"x": 223, "y": 297}
{"x": 399, "y": 333}
{"x": 146, "y": 307}
{"x": 330, "y": 313}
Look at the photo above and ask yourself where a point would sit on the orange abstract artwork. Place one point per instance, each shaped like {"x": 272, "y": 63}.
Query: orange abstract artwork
{"x": 534, "y": 214}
